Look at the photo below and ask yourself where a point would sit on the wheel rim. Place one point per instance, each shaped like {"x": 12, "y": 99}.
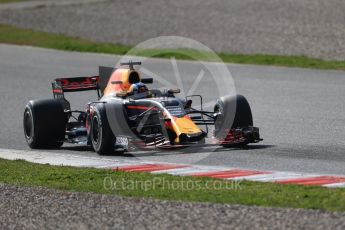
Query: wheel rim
{"x": 95, "y": 130}
{"x": 220, "y": 118}
{"x": 28, "y": 126}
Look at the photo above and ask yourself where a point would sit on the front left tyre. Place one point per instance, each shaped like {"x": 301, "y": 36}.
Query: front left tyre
{"x": 232, "y": 112}
{"x": 44, "y": 124}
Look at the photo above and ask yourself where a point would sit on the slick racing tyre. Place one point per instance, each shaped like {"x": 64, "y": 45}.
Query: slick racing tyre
{"x": 44, "y": 123}
{"x": 101, "y": 136}
{"x": 233, "y": 112}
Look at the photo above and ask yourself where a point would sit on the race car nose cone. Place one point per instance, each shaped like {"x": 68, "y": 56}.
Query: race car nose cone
{"x": 185, "y": 138}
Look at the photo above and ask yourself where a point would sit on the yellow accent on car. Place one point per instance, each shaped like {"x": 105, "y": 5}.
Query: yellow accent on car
{"x": 186, "y": 126}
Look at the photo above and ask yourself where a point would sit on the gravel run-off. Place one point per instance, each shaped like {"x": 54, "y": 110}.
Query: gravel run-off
{"x": 314, "y": 28}
{"x": 39, "y": 208}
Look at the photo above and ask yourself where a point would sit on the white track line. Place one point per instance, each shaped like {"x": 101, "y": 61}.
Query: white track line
{"x": 335, "y": 185}
{"x": 42, "y": 157}
{"x": 275, "y": 176}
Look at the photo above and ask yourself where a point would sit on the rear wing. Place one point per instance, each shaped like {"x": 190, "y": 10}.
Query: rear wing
{"x": 62, "y": 85}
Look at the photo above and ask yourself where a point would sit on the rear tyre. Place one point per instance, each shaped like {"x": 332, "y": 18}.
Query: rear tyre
{"x": 44, "y": 124}
{"x": 242, "y": 117}
{"x": 101, "y": 136}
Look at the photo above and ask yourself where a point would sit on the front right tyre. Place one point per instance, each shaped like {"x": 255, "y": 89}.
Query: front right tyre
{"x": 44, "y": 124}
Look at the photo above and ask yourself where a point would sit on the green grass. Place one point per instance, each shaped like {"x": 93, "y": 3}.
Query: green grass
{"x": 13, "y": 35}
{"x": 167, "y": 187}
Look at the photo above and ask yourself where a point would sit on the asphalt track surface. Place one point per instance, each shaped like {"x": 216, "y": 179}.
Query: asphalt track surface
{"x": 300, "y": 112}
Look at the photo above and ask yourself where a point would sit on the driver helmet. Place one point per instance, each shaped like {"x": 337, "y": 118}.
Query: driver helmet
{"x": 138, "y": 90}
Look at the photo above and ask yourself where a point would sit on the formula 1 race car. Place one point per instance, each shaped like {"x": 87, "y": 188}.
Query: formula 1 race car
{"x": 127, "y": 113}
